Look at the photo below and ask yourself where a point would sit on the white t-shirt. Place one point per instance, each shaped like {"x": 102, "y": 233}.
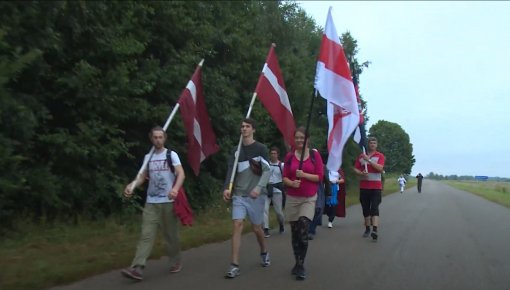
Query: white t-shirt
{"x": 161, "y": 178}
{"x": 275, "y": 174}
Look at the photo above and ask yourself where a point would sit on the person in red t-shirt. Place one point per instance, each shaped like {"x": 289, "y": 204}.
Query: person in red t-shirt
{"x": 370, "y": 186}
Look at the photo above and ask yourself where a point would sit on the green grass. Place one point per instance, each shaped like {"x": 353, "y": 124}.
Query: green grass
{"x": 62, "y": 253}
{"x": 498, "y": 192}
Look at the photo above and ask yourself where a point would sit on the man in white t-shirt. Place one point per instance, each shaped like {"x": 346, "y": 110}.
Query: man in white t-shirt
{"x": 165, "y": 179}
{"x": 274, "y": 191}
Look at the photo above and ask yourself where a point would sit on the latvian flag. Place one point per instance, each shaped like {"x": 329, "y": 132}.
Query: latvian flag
{"x": 334, "y": 83}
{"x": 273, "y": 95}
{"x": 201, "y": 137}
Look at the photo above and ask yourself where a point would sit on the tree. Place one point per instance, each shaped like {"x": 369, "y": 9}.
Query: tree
{"x": 394, "y": 143}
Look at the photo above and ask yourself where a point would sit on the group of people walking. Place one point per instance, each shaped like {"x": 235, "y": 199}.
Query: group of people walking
{"x": 298, "y": 185}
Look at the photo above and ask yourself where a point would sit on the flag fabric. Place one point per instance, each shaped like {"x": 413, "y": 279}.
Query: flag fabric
{"x": 360, "y": 135}
{"x": 334, "y": 83}
{"x": 201, "y": 137}
{"x": 273, "y": 95}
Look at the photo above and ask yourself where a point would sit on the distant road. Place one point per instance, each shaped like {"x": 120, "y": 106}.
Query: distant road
{"x": 443, "y": 238}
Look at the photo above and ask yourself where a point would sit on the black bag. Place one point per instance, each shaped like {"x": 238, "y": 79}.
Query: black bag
{"x": 256, "y": 167}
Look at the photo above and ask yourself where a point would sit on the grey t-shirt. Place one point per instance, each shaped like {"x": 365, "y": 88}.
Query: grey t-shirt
{"x": 245, "y": 179}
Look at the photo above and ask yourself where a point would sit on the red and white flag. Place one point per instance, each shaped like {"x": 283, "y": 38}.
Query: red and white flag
{"x": 273, "y": 95}
{"x": 334, "y": 83}
{"x": 201, "y": 137}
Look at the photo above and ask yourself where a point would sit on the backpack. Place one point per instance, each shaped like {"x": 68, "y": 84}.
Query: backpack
{"x": 168, "y": 160}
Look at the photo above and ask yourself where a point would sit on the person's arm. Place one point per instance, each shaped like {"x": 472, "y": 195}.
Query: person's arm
{"x": 179, "y": 174}
{"x": 378, "y": 167}
{"x": 179, "y": 181}
{"x": 139, "y": 180}
{"x": 286, "y": 174}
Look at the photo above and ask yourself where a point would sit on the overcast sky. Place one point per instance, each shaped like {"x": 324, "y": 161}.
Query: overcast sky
{"x": 441, "y": 71}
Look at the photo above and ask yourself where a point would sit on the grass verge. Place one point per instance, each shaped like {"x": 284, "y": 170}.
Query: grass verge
{"x": 62, "y": 253}
{"x": 498, "y": 192}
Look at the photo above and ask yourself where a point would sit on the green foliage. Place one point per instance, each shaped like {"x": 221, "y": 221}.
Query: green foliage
{"x": 82, "y": 82}
{"x": 394, "y": 143}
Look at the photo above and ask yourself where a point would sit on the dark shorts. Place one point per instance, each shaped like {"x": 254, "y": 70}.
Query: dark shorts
{"x": 370, "y": 200}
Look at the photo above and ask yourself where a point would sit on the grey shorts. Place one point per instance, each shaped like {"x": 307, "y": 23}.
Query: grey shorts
{"x": 247, "y": 206}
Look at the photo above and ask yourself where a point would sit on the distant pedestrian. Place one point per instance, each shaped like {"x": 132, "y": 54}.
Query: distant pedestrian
{"x": 166, "y": 176}
{"x": 370, "y": 186}
{"x": 402, "y": 183}
{"x": 419, "y": 177}
{"x": 335, "y": 197}
{"x": 302, "y": 185}
{"x": 251, "y": 177}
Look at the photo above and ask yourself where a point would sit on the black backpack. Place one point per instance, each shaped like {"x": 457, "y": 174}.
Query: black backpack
{"x": 168, "y": 160}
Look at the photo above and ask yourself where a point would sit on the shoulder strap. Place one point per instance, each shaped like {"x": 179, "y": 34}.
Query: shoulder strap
{"x": 280, "y": 167}
{"x": 311, "y": 152}
{"x": 169, "y": 160}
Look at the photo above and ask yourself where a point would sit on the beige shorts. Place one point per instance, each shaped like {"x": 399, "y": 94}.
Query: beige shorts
{"x": 296, "y": 207}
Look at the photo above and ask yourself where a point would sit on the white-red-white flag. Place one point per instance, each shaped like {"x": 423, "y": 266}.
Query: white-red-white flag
{"x": 273, "y": 95}
{"x": 201, "y": 137}
{"x": 334, "y": 83}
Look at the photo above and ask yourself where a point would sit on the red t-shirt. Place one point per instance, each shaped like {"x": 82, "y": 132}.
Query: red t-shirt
{"x": 307, "y": 187}
{"x": 374, "y": 178}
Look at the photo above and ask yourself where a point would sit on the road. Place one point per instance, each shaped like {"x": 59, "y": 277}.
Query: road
{"x": 443, "y": 238}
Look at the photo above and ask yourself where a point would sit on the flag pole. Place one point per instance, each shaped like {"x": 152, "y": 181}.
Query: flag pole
{"x": 165, "y": 127}
{"x": 236, "y": 158}
{"x": 355, "y": 82}
{"x": 307, "y": 130}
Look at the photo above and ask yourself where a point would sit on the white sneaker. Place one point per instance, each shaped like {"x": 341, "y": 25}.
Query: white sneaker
{"x": 330, "y": 225}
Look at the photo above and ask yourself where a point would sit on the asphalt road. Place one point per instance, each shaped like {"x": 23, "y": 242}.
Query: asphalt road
{"x": 442, "y": 238}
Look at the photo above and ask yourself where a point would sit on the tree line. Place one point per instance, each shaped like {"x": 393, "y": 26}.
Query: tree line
{"x": 81, "y": 83}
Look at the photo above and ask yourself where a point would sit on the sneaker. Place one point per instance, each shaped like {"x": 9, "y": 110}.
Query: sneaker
{"x": 330, "y": 225}
{"x": 300, "y": 273}
{"x": 176, "y": 268}
{"x": 311, "y": 236}
{"x": 374, "y": 236}
{"x": 233, "y": 271}
{"x": 366, "y": 234}
{"x": 266, "y": 233}
{"x": 266, "y": 261}
{"x": 282, "y": 229}
{"x": 134, "y": 273}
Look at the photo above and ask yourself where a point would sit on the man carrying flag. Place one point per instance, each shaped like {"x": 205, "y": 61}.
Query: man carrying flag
{"x": 334, "y": 83}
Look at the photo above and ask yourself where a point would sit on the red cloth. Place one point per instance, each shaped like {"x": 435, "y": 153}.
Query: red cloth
{"x": 182, "y": 209}
{"x": 340, "y": 208}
